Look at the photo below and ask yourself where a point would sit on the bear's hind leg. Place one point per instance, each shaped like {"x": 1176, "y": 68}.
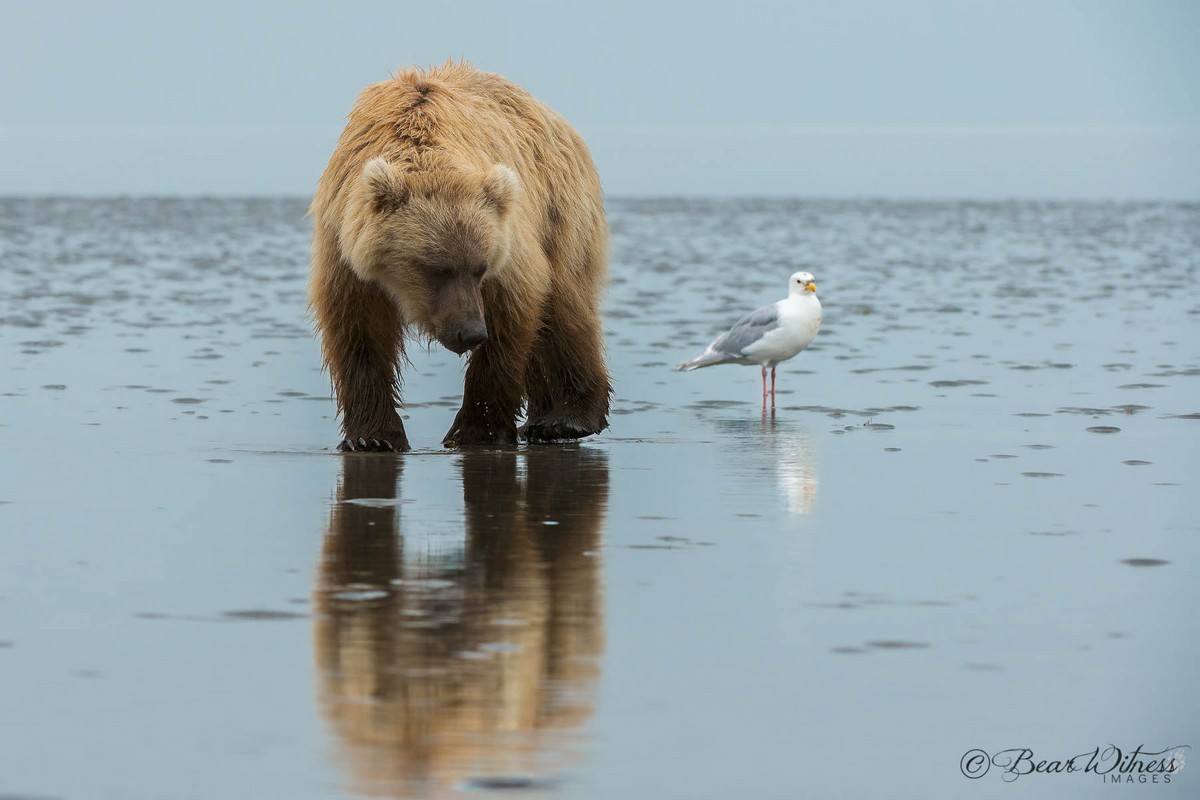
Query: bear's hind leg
{"x": 567, "y": 380}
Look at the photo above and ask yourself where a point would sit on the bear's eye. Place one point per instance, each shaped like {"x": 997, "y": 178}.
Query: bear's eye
{"x": 479, "y": 271}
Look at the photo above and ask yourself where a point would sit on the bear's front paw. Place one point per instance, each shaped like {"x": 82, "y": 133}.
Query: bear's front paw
{"x": 461, "y": 435}
{"x": 557, "y": 427}
{"x": 395, "y": 442}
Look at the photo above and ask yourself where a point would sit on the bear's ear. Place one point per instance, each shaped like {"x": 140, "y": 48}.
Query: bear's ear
{"x": 500, "y": 188}
{"x": 388, "y": 189}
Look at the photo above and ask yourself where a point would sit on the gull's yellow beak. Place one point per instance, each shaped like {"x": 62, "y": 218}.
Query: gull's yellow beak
{"x": 811, "y": 286}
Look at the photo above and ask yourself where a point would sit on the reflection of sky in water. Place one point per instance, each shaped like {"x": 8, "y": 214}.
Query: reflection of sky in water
{"x": 937, "y": 543}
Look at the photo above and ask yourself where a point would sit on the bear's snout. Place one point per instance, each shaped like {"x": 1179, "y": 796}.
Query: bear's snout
{"x": 469, "y": 338}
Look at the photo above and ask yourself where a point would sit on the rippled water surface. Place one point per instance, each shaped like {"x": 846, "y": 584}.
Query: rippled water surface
{"x": 971, "y": 521}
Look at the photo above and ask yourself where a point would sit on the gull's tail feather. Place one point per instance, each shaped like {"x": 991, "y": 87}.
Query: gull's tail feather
{"x": 705, "y": 360}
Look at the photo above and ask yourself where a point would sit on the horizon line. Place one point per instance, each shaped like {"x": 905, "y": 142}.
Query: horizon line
{"x": 659, "y": 197}
{"x": 658, "y": 129}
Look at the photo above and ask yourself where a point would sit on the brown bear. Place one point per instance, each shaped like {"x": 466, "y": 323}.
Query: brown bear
{"x": 458, "y": 206}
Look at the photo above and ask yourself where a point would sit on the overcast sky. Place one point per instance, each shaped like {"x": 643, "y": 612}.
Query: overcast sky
{"x": 1020, "y": 98}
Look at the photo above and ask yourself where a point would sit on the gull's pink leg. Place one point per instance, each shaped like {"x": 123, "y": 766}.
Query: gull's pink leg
{"x": 772, "y": 387}
{"x": 764, "y": 377}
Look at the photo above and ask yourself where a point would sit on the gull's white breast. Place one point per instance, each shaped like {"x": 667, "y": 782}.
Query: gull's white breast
{"x": 799, "y": 321}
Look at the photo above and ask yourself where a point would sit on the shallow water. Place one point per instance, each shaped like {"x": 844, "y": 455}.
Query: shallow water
{"x": 970, "y": 523}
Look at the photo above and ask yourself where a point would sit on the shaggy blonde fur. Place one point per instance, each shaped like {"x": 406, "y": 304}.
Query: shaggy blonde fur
{"x": 457, "y": 206}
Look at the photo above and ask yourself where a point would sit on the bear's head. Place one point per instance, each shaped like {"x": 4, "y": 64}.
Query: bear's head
{"x": 431, "y": 238}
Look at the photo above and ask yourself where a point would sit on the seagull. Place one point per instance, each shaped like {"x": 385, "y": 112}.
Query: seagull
{"x": 770, "y": 335}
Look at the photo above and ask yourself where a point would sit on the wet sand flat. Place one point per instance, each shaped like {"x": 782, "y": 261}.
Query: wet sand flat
{"x": 971, "y": 521}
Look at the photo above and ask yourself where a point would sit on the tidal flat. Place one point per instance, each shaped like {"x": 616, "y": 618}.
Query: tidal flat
{"x": 970, "y": 523}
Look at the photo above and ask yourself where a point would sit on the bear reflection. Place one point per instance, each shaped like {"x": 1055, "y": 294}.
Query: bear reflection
{"x": 434, "y": 667}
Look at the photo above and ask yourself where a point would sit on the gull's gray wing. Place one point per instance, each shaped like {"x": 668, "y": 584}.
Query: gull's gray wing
{"x": 747, "y": 330}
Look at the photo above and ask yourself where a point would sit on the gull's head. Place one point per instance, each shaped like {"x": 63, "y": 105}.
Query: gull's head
{"x": 802, "y": 283}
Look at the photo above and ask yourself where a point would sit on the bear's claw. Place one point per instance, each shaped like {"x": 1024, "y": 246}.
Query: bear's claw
{"x": 470, "y": 436}
{"x": 363, "y": 444}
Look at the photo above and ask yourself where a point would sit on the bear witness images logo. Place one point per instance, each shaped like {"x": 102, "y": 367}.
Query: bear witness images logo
{"x": 1111, "y": 764}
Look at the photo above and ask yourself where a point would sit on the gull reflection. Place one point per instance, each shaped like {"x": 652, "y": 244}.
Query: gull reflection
{"x": 776, "y": 447}
{"x": 439, "y": 668}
